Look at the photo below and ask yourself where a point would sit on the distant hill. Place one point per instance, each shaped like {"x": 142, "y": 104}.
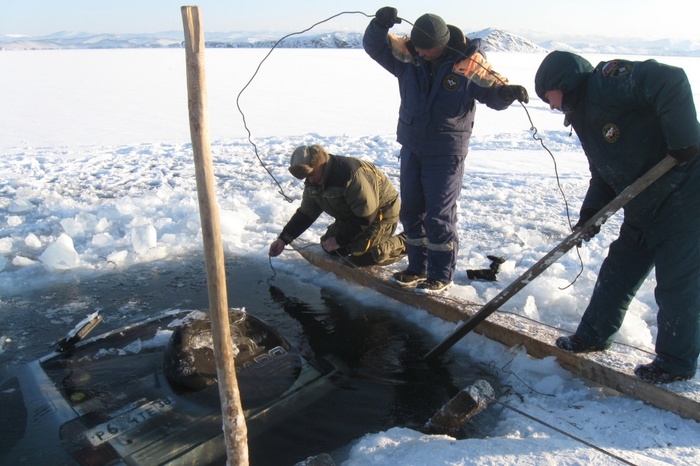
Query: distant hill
{"x": 495, "y": 40}
{"x": 502, "y": 41}
{"x": 82, "y": 40}
{"x": 664, "y": 47}
{"x": 331, "y": 40}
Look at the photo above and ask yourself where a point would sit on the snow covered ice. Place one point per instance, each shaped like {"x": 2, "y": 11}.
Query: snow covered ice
{"x": 97, "y": 175}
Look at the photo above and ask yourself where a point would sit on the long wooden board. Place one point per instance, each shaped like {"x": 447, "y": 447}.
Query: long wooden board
{"x": 682, "y": 398}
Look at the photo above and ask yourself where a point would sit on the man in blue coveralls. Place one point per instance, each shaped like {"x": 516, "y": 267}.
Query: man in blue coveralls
{"x": 440, "y": 75}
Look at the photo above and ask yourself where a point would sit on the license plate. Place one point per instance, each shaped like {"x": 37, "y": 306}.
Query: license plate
{"x": 128, "y": 420}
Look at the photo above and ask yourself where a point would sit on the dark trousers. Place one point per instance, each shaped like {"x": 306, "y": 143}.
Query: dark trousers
{"x": 430, "y": 187}
{"x": 677, "y": 293}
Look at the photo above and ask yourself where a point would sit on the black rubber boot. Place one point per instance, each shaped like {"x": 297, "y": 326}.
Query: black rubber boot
{"x": 575, "y": 344}
{"x": 654, "y": 373}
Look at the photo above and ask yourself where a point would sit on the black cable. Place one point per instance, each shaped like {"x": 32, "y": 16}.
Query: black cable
{"x": 238, "y": 105}
{"x": 272, "y": 267}
{"x": 245, "y": 124}
{"x": 571, "y": 436}
{"x": 533, "y": 128}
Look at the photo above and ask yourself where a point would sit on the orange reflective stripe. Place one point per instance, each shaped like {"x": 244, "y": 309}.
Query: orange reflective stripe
{"x": 480, "y": 71}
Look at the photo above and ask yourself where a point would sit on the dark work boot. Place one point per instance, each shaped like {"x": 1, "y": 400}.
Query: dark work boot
{"x": 575, "y": 344}
{"x": 653, "y": 373}
{"x": 408, "y": 278}
{"x": 432, "y": 286}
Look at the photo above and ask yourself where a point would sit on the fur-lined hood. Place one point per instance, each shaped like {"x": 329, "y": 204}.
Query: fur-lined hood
{"x": 404, "y": 50}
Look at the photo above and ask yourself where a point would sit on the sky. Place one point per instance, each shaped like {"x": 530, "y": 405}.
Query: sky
{"x": 538, "y": 21}
{"x": 97, "y": 176}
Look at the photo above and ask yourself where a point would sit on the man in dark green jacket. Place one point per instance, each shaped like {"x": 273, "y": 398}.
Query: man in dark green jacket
{"x": 629, "y": 116}
{"x": 361, "y": 199}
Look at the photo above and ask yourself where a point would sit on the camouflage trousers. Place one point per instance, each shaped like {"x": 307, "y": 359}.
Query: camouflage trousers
{"x": 377, "y": 245}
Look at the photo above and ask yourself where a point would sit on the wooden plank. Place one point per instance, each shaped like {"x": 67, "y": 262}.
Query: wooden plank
{"x": 602, "y": 368}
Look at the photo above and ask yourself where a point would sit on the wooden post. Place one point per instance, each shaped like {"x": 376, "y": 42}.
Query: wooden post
{"x": 235, "y": 430}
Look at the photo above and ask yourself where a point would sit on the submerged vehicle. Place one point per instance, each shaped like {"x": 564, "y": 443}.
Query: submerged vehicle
{"x": 147, "y": 394}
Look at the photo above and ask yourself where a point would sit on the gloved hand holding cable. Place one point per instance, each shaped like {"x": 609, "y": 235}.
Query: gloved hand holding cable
{"x": 387, "y": 16}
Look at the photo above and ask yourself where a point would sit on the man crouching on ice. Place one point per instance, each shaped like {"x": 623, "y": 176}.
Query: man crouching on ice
{"x": 361, "y": 199}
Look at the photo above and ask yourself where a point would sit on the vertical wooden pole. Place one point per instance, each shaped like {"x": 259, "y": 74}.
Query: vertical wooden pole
{"x": 235, "y": 430}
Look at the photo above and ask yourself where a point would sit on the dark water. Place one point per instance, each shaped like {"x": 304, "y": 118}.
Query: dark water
{"x": 383, "y": 381}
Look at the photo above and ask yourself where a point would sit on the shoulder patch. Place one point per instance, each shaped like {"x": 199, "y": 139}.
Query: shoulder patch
{"x": 451, "y": 82}
{"x": 611, "y": 132}
{"x": 616, "y": 68}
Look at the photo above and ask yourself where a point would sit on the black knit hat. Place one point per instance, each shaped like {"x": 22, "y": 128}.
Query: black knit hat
{"x": 429, "y": 31}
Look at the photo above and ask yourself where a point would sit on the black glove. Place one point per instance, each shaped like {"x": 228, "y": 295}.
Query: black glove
{"x": 512, "y": 93}
{"x": 495, "y": 263}
{"x": 593, "y": 230}
{"x": 387, "y": 17}
{"x": 683, "y": 155}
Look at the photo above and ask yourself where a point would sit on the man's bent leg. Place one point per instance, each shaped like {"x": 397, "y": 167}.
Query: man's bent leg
{"x": 622, "y": 273}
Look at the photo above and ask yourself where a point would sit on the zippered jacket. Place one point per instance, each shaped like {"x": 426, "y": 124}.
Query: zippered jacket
{"x": 354, "y": 192}
{"x": 437, "y": 109}
{"x": 628, "y": 114}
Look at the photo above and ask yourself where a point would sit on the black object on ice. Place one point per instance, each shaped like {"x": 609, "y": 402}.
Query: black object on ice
{"x": 487, "y": 274}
